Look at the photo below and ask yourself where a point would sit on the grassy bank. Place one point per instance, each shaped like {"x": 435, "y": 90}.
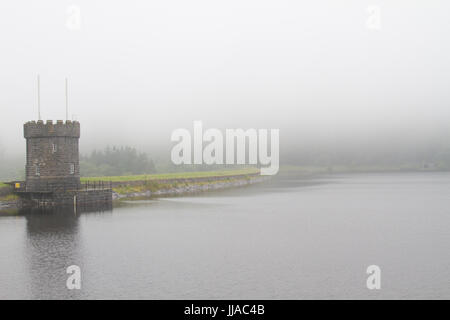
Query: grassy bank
{"x": 151, "y": 182}
{"x": 154, "y": 183}
{"x": 157, "y": 188}
{"x": 176, "y": 175}
{"x": 9, "y": 197}
{"x": 5, "y": 193}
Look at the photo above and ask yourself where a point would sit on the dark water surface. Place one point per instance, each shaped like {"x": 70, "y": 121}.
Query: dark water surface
{"x": 285, "y": 239}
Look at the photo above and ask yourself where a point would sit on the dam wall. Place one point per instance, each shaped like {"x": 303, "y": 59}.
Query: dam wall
{"x": 133, "y": 183}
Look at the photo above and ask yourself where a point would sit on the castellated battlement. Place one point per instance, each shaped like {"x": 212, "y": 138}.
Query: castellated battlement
{"x": 39, "y": 129}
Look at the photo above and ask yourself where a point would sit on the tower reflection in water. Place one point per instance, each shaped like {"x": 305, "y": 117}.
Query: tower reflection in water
{"x": 53, "y": 244}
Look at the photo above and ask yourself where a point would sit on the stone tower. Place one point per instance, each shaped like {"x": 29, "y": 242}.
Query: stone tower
{"x": 52, "y": 156}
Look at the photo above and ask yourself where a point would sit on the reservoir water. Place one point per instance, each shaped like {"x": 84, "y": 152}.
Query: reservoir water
{"x": 289, "y": 238}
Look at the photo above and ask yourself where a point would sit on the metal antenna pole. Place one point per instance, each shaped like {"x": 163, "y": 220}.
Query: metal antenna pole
{"x": 67, "y": 102}
{"x": 39, "y": 97}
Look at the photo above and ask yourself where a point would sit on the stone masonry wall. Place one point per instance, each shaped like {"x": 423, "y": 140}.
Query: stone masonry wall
{"x": 115, "y": 184}
{"x": 80, "y": 198}
{"x": 52, "y": 162}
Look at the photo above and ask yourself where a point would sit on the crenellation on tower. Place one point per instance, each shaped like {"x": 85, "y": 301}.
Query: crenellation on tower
{"x": 49, "y": 129}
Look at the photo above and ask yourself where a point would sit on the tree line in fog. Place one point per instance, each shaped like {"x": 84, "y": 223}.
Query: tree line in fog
{"x": 116, "y": 161}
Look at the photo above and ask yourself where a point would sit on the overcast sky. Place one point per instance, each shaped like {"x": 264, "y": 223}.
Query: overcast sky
{"x": 318, "y": 70}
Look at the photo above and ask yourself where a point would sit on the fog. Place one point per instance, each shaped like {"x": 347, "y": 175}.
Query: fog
{"x": 320, "y": 71}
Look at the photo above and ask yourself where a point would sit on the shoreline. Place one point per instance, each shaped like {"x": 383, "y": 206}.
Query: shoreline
{"x": 192, "y": 188}
{"x": 139, "y": 189}
{"x": 166, "y": 186}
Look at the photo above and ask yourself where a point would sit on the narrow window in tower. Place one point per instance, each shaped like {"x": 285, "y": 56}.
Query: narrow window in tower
{"x": 38, "y": 172}
{"x": 54, "y": 147}
{"x": 72, "y": 168}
